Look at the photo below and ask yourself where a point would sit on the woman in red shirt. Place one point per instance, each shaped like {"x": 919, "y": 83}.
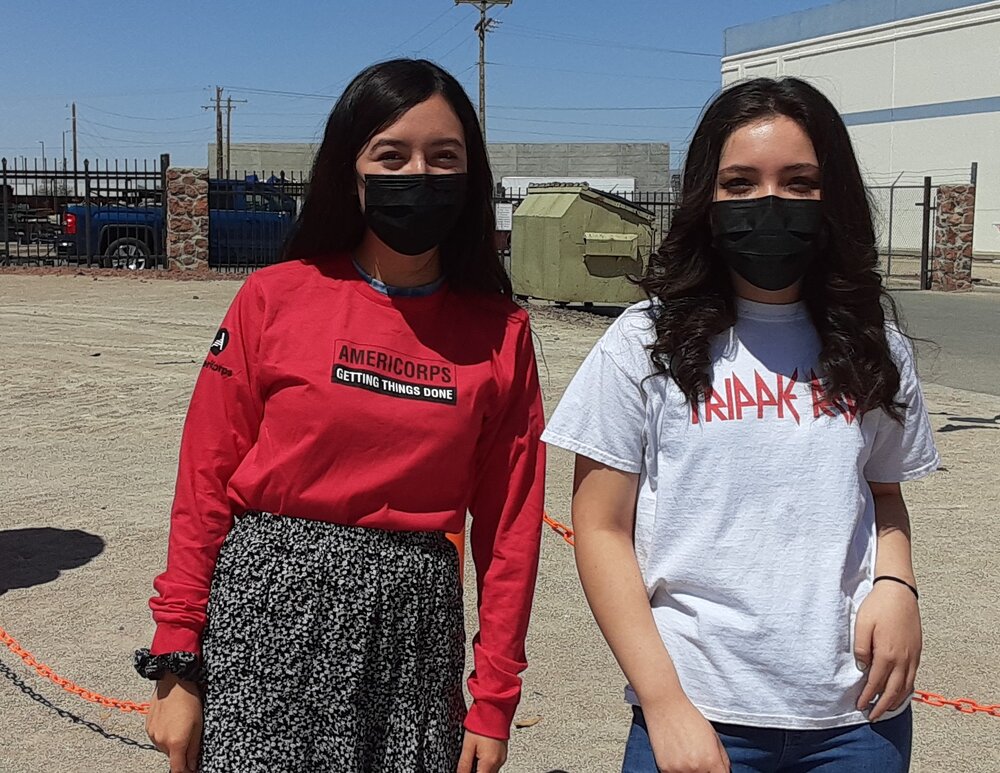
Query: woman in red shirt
{"x": 359, "y": 399}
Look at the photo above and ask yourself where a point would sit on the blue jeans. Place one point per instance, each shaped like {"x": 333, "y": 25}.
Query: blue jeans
{"x": 880, "y": 747}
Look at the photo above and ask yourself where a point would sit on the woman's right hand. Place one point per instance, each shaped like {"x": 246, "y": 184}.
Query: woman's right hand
{"x": 174, "y": 722}
{"x": 684, "y": 741}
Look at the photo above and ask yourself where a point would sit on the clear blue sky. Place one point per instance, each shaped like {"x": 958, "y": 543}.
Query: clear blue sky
{"x": 141, "y": 71}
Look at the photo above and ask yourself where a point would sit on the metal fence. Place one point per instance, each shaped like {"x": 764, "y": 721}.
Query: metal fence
{"x": 899, "y": 213}
{"x": 250, "y": 217}
{"x": 113, "y": 214}
{"x": 247, "y": 249}
{"x": 108, "y": 213}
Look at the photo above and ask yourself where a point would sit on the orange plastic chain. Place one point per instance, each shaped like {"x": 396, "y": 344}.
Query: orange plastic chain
{"x": 561, "y": 529}
{"x": 965, "y": 705}
{"x": 47, "y": 673}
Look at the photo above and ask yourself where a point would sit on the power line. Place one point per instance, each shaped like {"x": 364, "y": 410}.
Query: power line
{"x": 583, "y": 136}
{"x": 537, "y": 68}
{"x": 139, "y": 143}
{"x": 279, "y": 93}
{"x": 641, "y": 108}
{"x": 279, "y": 127}
{"x": 285, "y": 114}
{"x": 562, "y": 37}
{"x": 590, "y": 123}
{"x": 452, "y": 27}
{"x": 462, "y": 42}
{"x": 140, "y": 117}
{"x": 88, "y": 122}
{"x": 419, "y": 32}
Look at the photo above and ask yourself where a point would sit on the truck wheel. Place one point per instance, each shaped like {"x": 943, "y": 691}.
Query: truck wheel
{"x": 127, "y": 253}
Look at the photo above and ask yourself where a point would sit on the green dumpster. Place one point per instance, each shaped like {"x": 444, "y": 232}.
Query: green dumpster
{"x": 576, "y": 244}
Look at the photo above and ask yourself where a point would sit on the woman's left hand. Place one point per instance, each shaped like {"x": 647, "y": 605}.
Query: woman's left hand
{"x": 481, "y": 754}
{"x": 887, "y": 642}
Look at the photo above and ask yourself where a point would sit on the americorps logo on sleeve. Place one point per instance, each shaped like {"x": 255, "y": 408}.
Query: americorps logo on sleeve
{"x": 221, "y": 342}
{"x": 218, "y": 347}
{"x": 394, "y": 374}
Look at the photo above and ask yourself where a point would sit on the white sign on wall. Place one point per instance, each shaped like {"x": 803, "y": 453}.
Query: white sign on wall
{"x": 505, "y": 216}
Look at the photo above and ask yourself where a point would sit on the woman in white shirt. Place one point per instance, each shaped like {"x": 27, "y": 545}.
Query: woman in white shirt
{"x": 740, "y": 441}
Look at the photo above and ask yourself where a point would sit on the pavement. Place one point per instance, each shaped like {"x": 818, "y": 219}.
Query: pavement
{"x": 96, "y": 376}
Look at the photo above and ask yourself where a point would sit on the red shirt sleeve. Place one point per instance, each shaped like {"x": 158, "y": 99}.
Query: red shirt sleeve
{"x": 221, "y": 427}
{"x": 506, "y": 531}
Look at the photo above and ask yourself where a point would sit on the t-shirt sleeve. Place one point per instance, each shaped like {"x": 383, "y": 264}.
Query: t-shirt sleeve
{"x": 904, "y": 450}
{"x": 602, "y": 413}
{"x": 222, "y": 422}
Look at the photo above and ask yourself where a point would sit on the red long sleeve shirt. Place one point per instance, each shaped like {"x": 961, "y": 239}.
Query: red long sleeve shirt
{"x": 323, "y": 398}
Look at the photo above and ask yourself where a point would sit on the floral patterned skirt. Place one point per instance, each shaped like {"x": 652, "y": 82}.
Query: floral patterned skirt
{"x": 334, "y": 649}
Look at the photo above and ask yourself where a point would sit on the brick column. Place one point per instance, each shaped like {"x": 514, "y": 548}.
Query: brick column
{"x": 187, "y": 219}
{"x": 951, "y": 265}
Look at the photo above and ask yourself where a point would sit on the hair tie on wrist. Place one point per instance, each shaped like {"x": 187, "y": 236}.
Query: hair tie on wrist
{"x": 897, "y": 579}
{"x": 184, "y": 665}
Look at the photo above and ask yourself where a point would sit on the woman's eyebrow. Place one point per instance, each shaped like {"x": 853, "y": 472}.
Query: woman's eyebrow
{"x": 738, "y": 168}
{"x": 742, "y": 169}
{"x": 387, "y": 142}
{"x": 397, "y": 143}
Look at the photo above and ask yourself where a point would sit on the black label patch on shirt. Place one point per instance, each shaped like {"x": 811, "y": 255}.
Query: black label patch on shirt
{"x": 394, "y": 374}
{"x": 221, "y": 342}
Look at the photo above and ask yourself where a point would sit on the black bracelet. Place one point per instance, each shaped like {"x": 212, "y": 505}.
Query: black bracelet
{"x": 184, "y": 665}
{"x": 896, "y": 579}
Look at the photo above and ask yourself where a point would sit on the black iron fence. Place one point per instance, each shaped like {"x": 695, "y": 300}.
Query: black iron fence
{"x": 114, "y": 213}
{"x": 235, "y": 247}
{"x": 251, "y": 216}
{"x": 107, "y": 213}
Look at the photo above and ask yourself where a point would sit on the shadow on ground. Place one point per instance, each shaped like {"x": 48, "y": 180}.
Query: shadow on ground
{"x": 30, "y": 557}
{"x": 8, "y": 674}
{"x": 959, "y": 423}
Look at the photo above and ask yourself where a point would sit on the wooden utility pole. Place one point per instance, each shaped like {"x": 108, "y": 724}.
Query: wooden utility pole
{"x": 76, "y": 189}
{"x": 229, "y": 134}
{"x": 217, "y": 106}
{"x": 484, "y": 26}
{"x": 218, "y": 132}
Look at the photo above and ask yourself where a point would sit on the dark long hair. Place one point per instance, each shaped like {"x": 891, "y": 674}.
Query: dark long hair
{"x": 843, "y": 292}
{"x": 331, "y": 222}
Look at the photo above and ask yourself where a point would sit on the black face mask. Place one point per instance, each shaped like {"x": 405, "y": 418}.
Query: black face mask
{"x": 770, "y": 241}
{"x": 413, "y": 213}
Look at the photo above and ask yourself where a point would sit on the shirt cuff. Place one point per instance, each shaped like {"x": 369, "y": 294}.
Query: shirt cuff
{"x": 491, "y": 720}
{"x": 170, "y": 637}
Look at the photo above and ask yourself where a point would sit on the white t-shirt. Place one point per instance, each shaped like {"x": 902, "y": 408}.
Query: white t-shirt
{"x": 755, "y": 524}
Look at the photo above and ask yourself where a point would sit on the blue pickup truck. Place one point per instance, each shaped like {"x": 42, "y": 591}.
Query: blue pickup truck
{"x": 249, "y": 222}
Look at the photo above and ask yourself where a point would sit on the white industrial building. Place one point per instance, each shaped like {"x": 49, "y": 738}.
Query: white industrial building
{"x": 917, "y": 81}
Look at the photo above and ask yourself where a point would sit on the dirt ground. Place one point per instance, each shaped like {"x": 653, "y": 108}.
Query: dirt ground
{"x": 96, "y": 374}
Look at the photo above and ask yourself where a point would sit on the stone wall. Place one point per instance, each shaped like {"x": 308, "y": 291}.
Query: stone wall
{"x": 951, "y": 262}
{"x": 187, "y": 219}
